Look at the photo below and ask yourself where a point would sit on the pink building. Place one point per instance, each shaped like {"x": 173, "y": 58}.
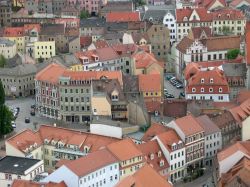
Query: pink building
{"x": 92, "y": 6}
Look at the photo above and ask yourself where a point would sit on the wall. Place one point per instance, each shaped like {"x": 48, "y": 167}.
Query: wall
{"x": 101, "y": 105}
{"x": 106, "y": 130}
{"x": 136, "y": 115}
{"x": 215, "y": 97}
{"x": 245, "y": 131}
{"x": 12, "y": 151}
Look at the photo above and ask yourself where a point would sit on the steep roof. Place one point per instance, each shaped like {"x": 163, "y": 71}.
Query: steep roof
{"x": 92, "y": 162}
{"x": 149, "y": 82}
{"x": 200, "y": 32}
{"x": 51, "y": 73}
{"x": 154, "y": 130}
{"x": 152, "y": 148}
{"x": 184, "y": 44}
{"x": 144, "y": 177}
{"x": 189, "y": 125}
{"x": 144, "y": 60}
{"x": 207, "y": 124}
{"x": 242, "y": 146}
{"x": 241, "y": 112}
{"x": 122, "y": 16}
{"x": 187, "y": 12}
{"x": 26, "y": 183}
{"x": 118, "y": 149}
{"x": 13, "y": 31}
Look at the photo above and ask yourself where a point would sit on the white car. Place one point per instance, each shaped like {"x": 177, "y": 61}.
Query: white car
{"x": 13, "y": 124}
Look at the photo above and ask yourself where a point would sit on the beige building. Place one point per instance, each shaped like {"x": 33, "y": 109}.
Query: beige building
{"x": 5, "y": 13}
{"x": 7, "y": 48}
{"x": 52, "y": 144}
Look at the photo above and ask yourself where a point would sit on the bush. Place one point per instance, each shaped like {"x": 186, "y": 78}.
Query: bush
{"x": 233, "y": 53}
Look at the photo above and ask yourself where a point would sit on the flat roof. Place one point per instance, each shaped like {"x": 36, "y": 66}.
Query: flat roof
{"x": 16, "y": 165}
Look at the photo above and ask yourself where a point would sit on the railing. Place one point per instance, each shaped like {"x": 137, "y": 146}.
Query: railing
{"x": 70, "y": 151}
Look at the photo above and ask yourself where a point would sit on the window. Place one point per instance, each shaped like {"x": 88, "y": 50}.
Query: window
{"x": 193, "y": 90}
{"x": 220, "y": 90}
{"x": 209, "y": 57}
{"x": 202, "y": 80}
{"x": 211, "y": 80}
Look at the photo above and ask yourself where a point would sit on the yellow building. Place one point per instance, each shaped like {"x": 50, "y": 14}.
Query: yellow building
{"x": 16, "y": 34}
{"x": 76, "y": 67}
{"x": 44, "y": 49}
{"x": 130, "y": 158}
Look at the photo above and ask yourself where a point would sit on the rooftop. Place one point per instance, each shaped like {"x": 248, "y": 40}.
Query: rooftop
{"x": 26, "y": 183}
{"x": 123, "y": 16}
{"x": 154, "y": 130}
{"x": 149, "y": 82}
{"x": 208, "y": 125}
{"x": 6, "y": 42}
{"x": 16, "y": 165}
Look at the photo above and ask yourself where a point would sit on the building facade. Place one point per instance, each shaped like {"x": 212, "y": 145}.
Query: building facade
{"x": 7, "y": 48}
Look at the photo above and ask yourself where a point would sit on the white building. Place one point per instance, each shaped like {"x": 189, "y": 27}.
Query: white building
{"x": 12, "y": 168}
{"x": 174, "y": 151}
{"x": 7, "y": 48}
{"x": 100, "y": 168}
{"x": 170, "y": 22}
{"x": 213, "y": 139}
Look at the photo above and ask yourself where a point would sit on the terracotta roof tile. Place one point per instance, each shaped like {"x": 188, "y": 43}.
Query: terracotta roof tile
{"x": 184, "y": 44}
{"x": 144, "y": 60}
{"x": 228, "y": 14}
{"x": 123, "y": 16}
{"x": 51, "y": 73}
{"x": 93, "y": 161}
{"x": 124, "y": 149}
{"x": 207, "y": 124}
{"x": 243, "y": 147}
{"x": 149, "y": 82}
{"x": 198, "y": 32}
{"x": 242, "y": 111}
{"x": 189, "y": 125}
{"x": 152, "y": 148}
{"x": 175, "y": 107}
{"x": 14, "y": 31}
{"x": 26, "y": 183}
{"x": 187, "y": 12}
{"x": 144, "y": 177}
{"x": 248, "y": 47}
{"x": 85, "y": 41}
{"x": 154, "y": 130}
{"x": 168, "y": 138}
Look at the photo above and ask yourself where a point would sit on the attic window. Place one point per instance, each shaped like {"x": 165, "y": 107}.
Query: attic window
{"x": 210, "y": 89}
{"x": 228, "y": 15}
{"x": 219, "y": 15}
{"x": 202, "y": 90}
{"x": 185, "y": 19}
{"x": 161, "y": 163}
{"x": 211, "y": 80}
{"x": 193, "y": 90}
{"x": 220, "y": 90}
{"x": 202, "y": 80}
{"x": 194, "y": 17}
{"x": 152, "y": 156}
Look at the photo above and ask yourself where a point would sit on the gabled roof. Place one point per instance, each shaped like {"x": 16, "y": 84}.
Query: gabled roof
{"x": 242, "y": 146}
{"x": 184, "y": 44}
{"x": 241, "y": 112}
{"x": 189, "y": 125}
{"x": 26, "y": 183}
{"x": 228, "y": 14}
{"x": 13, "y": 31}
{"x": 152, "y": 148}
{"x": 203, "y": 14}
{"x": 235, "y": 3}
{"x": 207, "y": 124}
{"x": 51, "y": 73}
{"x": 144, "y": 60}
{"x": 92, "y": 162}
{"x": 149, "y": 82}
{"x": 144, "y": 177}
{"x": 124, "y": 149}
{"x": 123, "y": 16}
{"x": 154, "y": 130}
{"x": 200, "y": 32}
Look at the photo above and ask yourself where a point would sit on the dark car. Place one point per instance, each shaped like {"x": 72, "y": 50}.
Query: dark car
{"x": 27, "y": 120}
{"x": 33, "y": 106}
{"x": 168, "y": 77}
{"x": 182, "y": 94}
{"x": 32, "y": 112}
{"x": 179, "y": 86}
{"x": 169, "y": 96}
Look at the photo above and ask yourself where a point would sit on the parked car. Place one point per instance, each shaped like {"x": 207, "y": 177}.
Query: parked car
{"x": 165, "y": 90}
{"x": 182, "y": 94}
{"x": 169, "y": 96}
{"x": 27, "y": 120}
{"x": 168, "y": 77}
{"x": 179, "y": 86}
{"x": 32, "y": 112}
{"x": 33, "y": 106}
{"x": 13, "y": 124}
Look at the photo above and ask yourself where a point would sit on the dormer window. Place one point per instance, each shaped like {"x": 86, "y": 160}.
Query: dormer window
{"x": 151, "y": 156}
{"x": 185, "y": 19}
{"x": 159, "y": 153}
{"x": 161, "y": 163}
{"x": 202, "y": 80}
{"x": 211, "y": 80}
{"x": 219, "y": 15}
{"x": 193, "y": 90}
{"x": 220, "y": 90}
{"x": 202, "y": 90}
{"x": 210, "y": 89}
{"x": 228, "y": 15}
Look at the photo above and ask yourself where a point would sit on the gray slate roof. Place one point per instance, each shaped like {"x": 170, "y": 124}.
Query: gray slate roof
{"x": 19, "y": 70}
{"x": 16, "y": 165}
{"x": 6, "y": 42}
{"x": 157, "y": 15}
{"x": 93, "y": 22}
{"x": 234, "y": 69}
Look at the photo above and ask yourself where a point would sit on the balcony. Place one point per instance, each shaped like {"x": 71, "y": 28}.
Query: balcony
{"x": 70, "y": 151}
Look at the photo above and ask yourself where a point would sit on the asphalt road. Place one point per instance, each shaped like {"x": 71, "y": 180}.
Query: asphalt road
{"x": 172, "y": 89}
{"x": 25, "y": 106}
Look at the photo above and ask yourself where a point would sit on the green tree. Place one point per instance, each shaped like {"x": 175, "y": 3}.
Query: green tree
{"x": 6, "y": 115}
{"x": 232, "y": 54}
{"x": 2, "y": 61}
{"x": 84, "y": 14}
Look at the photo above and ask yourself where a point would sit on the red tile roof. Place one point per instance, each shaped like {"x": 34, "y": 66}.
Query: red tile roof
{"x": 144, "y": 177}
{"x": 242, "y": 146}
{"x": 124, "y": 149}
{"x": 144, "y": 60}
{"x": 14, "y": 31}
{"x": 152, "y": 148}
{"x": 228, "y": 14}
{"x": 92, "y": 162}
{"x": 198, "y": 32}
{"x": 169, "y": 138}
{"x": 189, "y": 125}
{"x": 85, "y": 41}
{"x": 187, "y": 12}
{"x": 154, "y": 130}
{"x": 149, "y": 82}
{"x": 123, "y": 16}
{"x": 26, "y": 183}
{"x": 152, "y": 104}
{"x": 51, "y": 73}
{"x": 219, "y": 81}
{"x": 23, "y": 140}
{"x": 248, "y": 47}
{"x": 241, "y": 112}
{"x": 175, "y": 107}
